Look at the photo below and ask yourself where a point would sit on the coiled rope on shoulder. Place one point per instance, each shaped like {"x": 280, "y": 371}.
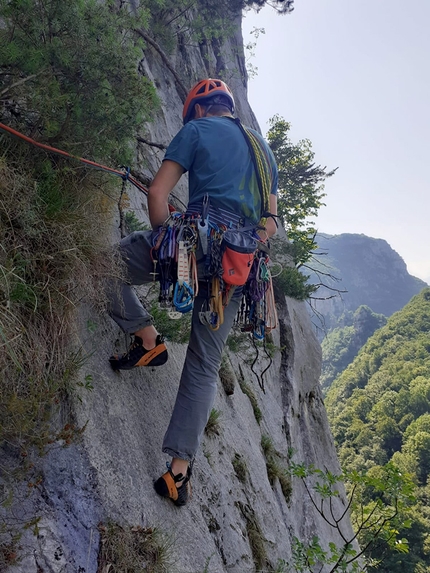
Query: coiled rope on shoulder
{"x": 263, "y": 167}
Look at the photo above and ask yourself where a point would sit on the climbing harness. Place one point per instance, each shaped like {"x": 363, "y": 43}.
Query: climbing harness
{"x": 184, "y": 237}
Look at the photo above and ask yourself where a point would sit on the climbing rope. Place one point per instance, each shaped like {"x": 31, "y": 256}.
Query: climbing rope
{"x": 125, "y": 175}
{"x": 263, "y": 168}
{"x": 260, "y": 376}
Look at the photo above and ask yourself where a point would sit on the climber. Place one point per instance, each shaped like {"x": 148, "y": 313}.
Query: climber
{"x": 211, "y": 147}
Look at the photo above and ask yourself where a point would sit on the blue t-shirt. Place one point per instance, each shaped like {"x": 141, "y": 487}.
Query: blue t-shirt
{"x": 214, "y": 152}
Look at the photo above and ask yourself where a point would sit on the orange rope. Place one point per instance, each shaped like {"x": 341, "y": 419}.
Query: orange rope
{"x": 123, "y": 174}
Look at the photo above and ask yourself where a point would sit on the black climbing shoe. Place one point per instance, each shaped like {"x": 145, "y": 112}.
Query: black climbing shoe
{"x": 137, "y": 355}
{"x": 166, "y": 486}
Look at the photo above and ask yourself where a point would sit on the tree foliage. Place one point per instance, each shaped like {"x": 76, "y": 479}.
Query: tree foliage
{"x": 300, "y": 189}
{"x": 379, "y": 413}
{"x": 199, "y": 22}
{"x": 290, "y": 282}
{"x": 379, "y": 503}
{"x": 281, "y": 6}
{"x": 341, "y": 345}
{"x": 69, "y": 74}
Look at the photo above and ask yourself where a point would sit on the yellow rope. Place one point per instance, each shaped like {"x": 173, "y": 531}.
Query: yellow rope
{"x": 264, "y": 168}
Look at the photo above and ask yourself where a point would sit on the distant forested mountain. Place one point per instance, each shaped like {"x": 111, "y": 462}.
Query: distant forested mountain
{"x": 379, "y": 411}
{"x": 371, "y": 272}
{"x": 341, "y": 345}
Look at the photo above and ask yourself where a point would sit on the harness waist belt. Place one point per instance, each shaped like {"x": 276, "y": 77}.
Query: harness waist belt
{"x": 218, "y": 215}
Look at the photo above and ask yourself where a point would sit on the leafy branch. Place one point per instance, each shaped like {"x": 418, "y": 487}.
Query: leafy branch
{"x": 301, "y": 187}
{"x": 379, "y": 506}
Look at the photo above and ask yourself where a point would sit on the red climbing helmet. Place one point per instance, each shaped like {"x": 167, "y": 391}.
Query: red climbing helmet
{"x": 203, "y": 91}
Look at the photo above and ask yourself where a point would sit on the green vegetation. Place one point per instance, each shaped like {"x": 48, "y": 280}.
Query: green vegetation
{"x": 69, "y": 71}
{"x": 247, "y": 390}
{"x": 341, "y": 345}
{"x": 255, "y": 537}
{"x": 379, "y": 502}
{"x": 290, "y": 282}
{"x": 227, "y": 375}
{"x": 240, "y": 468}
{"x": 213, "y": 424}
{"x": 208, "y": 560}
{"x": 195, "y": 22}
{"x": 132, "y": 223}
{"x": 379, "y": 413}
{"x": 376, "y": 521}
{"x": 199, "y": 22}
{"x": 281, "y": 6}
{"x": 134, "y": 550}
{"x": 300, "y": 195}
{"x": 52, "y": 236}
{"x": 174, "y": 329}
{"x": 301, "y": 188}
{"x": 237, "y": 340}
{"x": 276, "y": 470}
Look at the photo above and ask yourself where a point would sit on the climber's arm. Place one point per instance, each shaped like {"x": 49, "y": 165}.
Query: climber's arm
{"x": 166, "y": 178}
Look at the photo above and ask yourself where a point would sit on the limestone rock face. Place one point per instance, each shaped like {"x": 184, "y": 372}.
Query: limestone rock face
{"x": 107, "y": 475}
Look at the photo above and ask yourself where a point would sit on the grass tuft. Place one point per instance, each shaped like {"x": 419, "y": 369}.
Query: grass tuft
{"x": 227, "y": 376}
{"x": 247, "y": 390}
{"x": 175, "y": 330}
{"x": 275, "y": 467}
{"x": 132, "y": 223}
{"x": 240, "y": 468}
{"x": 134, "y": 550}
{"x": 213, "y": 424}
{"x": 255, "y": 537}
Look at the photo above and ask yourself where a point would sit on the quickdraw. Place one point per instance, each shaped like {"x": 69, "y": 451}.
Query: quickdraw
{"x": 173, "y": 255}
{"x": 183, "y": 294}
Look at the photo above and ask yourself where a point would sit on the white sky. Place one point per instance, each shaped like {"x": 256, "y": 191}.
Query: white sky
{"x": 354, "y": 78}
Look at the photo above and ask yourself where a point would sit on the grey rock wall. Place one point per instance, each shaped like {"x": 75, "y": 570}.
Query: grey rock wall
{"x": 108, "y": 474}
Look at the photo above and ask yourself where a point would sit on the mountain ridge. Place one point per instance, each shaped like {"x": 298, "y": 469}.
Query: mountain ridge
{"x": 357, "y": 270}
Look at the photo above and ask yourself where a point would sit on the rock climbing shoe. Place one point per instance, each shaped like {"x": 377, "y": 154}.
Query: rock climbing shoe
{"x": 137, "y": 355}
{"x": 166, "y": 486}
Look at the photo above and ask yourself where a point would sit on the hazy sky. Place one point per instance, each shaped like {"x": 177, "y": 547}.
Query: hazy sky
{"x": 354, "y": 78}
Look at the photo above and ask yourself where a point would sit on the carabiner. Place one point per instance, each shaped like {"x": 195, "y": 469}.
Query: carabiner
{"x": 183, "y": 296}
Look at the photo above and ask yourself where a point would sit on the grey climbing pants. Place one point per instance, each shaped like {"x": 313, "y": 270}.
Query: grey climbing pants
{"x": 198, "y": 383}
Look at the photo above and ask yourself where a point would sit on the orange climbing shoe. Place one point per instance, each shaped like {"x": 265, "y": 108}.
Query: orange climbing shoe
{"x": 137, "y": 355}
{"x": 166, "y": 486}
